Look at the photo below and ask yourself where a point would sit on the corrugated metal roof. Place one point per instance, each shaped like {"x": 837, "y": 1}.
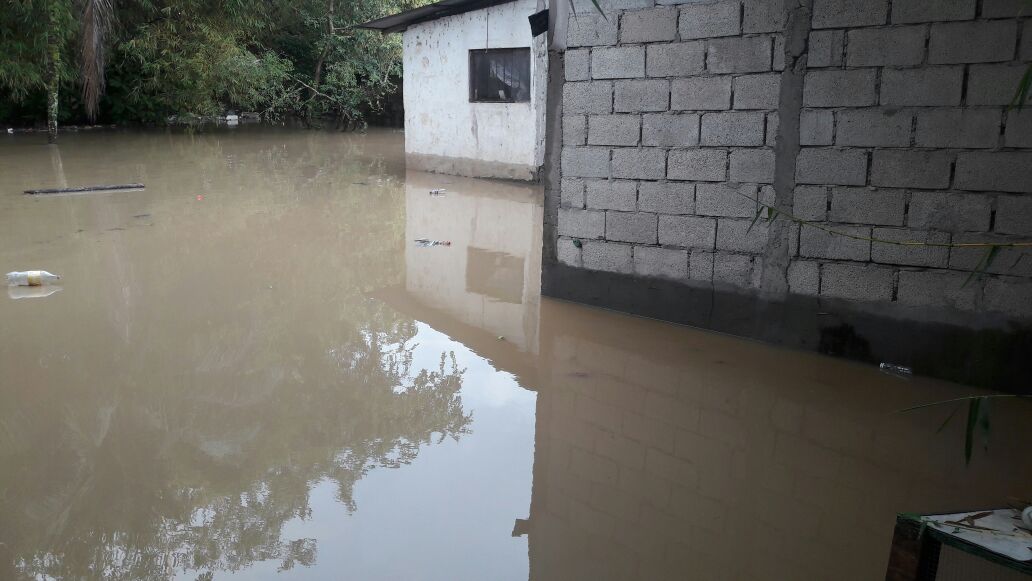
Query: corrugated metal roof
{"x": 402, "y": 20}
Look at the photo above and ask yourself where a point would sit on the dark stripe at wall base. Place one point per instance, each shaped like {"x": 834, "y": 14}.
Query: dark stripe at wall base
{"x": 993, "y": 355}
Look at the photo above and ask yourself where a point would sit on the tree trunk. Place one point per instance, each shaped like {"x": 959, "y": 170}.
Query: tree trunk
{"x": 53, "y": 73}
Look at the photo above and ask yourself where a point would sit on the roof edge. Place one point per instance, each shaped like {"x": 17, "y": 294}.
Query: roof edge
{"x": 401, "y": 21}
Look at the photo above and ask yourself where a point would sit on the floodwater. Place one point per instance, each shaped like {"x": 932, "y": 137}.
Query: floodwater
{"x": 252, "y": 371}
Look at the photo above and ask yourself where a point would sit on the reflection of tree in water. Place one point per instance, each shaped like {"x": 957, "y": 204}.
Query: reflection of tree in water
{"x": 137, "y": 489}
{"x": 194, "y": 459}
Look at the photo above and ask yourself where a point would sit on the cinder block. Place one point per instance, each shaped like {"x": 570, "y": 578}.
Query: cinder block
{"x": 937, "y": 256}
{"x": 701, "y": 93}
{"x": 581, "y": 223}
{"x": 687, "y": 231}
{"x": 896, "y": 168}
{"x": 733, "y": 269}
{"x": 940, "y": 86}
{"x": 810, "y": 203}
{"x": 845, "y": 13}
{"x": 701, "y": 164}
{"x": 1014, "y": 215}
{"x": 661, "y": 262}
{"x": 1019, "y": 126}
{"x": 867, "y": 206}
{"x": 747, "y": 54}
{"x": 590, "y": 29}
{"x": 575, "y": 129}
{"x": 577, "y": 64}
{"x": 669, "y": 130}
{"x": 1005, "y": 171}
{"x": 666, "y": 198}
{"x": 1004, "y": 8}
{"x": 641, "y": 96}
{"x": 700, "y": 265}
{"x": 764, "y": 16}
{"x": 742, "y": 235}
{"x": 856, "y": 282}
{"x": 585, "y": 162}
{"x": 571, "y": 193}
{"x": 757, "y": 91}
{"x": 958, "y": 128}
{"x": 834, "y": 88}
{"x": 653, "y": 25}
{"x": 804, "y": 277}
{"x": 1015, "y": 261}
{"x": 1011, "y": 296}
{"x": 677, "y": 59}
{"x": 873, "y": 128}
{"x": 643, "y": 164}
{"x": 732, "y": 129}
{"x": 817, "y": 243}
{"x": 631, "y": 227}
{"x": 816, "y": 127}
{"x": 618, "y": 62}
{"x": 591, "y": 97}
{"x": 710, "y": 20}
{"x": 598, "y": 255}
{"x": 752, "y": 165}
{"x": 993, "y": 84}
{"x": 972, "y": 42}
{"x": 567, "y": 252}
{"x": 899, "y": 46}
{"x": 844, "y": 167}
{"x": 614, "y": 129}
{"x": 826, "y": 48}
{"x": 724, "y": 200}
{"x": 950, "y": 212}
{"x": 936, "y": 288}
{"x": 907, "y": 11}
{"x": 772, "y": 129}
{"x": 612, "y": 195}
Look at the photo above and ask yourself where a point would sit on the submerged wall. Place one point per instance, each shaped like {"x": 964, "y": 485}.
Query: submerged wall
{"x": 881, "y": 121}
{"x": 444, "y": 132}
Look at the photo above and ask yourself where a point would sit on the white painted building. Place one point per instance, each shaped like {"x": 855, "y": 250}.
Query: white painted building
{"x": 474, "y": 84}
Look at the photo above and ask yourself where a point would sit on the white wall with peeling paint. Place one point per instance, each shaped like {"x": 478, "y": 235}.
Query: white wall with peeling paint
{"x": 447, "y": 132}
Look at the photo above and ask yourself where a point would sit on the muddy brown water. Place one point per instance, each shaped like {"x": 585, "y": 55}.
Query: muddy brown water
{"x": 250, "y": 370}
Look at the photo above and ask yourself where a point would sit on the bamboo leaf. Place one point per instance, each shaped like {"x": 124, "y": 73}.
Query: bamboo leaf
{"x": 948, "y": 418}
{"x": 983, "y": 264}
{"x": 1021, "y": 95}
{"x": 759, "y": 211}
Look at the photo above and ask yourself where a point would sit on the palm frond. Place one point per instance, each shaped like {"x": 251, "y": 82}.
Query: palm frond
{"x": 96, "y": 20}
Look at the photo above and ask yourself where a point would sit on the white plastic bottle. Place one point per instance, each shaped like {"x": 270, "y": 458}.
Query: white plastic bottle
{"x": 31, "y": 278}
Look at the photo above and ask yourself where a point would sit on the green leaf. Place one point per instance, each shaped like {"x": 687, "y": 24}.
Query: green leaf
{"x": 1021, "y": 95}
{"x": 972, "y": 423}
{"x": 983, "y": 264}
{"x": 759, "y": 211}
{"x": 948, "y": 418}
{"x": 577, "y": 243}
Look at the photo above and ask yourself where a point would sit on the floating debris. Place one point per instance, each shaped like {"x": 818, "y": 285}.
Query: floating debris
{"x": 31, "y": 278}
{"x": 426, "y": 243}
{"x": 83, "y": 189}
{"x": 897, "y": 370}
{"x": 438, "y": 192}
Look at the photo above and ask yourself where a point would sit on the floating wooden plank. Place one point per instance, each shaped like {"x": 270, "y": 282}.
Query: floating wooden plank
{"x": 82, "y": 189}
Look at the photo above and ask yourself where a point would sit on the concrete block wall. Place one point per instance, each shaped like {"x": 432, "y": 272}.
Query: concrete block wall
{"x": 897, "y": 129}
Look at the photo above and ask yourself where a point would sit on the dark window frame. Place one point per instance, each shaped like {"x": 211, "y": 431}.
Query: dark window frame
{"x": 476, "y": 84}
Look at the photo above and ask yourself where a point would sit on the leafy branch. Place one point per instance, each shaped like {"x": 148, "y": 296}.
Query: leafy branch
{"x": 977, "y": 417}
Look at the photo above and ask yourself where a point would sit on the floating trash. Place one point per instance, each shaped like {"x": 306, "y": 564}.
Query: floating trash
{"x": 85, "y": 189}
{"x": 897, "y": 370}
{"x": 426, "y": 243}
{"x": 31, "y": 278}
{"x": 438, "y": 192}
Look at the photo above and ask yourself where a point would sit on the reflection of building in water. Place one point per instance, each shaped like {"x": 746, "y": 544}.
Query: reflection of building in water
{"x": 488, "y": 278}
{"x": 667, "y": 453}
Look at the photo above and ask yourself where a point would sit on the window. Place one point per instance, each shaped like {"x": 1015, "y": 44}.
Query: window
{"x": 499, "y": 75}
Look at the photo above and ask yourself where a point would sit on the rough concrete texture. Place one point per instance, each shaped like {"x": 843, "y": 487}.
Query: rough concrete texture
{"x": 885, "y": 122}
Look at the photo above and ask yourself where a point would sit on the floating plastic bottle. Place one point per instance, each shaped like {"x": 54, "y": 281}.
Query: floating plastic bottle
{"x": 31, "y": 278}
{"x": 438, "y": 192}
{"x": 897, "y": 370}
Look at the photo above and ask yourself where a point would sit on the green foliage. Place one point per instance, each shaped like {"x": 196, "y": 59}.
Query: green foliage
{"x": 190, "y": 57}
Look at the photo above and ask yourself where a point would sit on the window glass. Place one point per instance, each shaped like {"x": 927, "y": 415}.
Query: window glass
{"x": 499, "y": 75}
